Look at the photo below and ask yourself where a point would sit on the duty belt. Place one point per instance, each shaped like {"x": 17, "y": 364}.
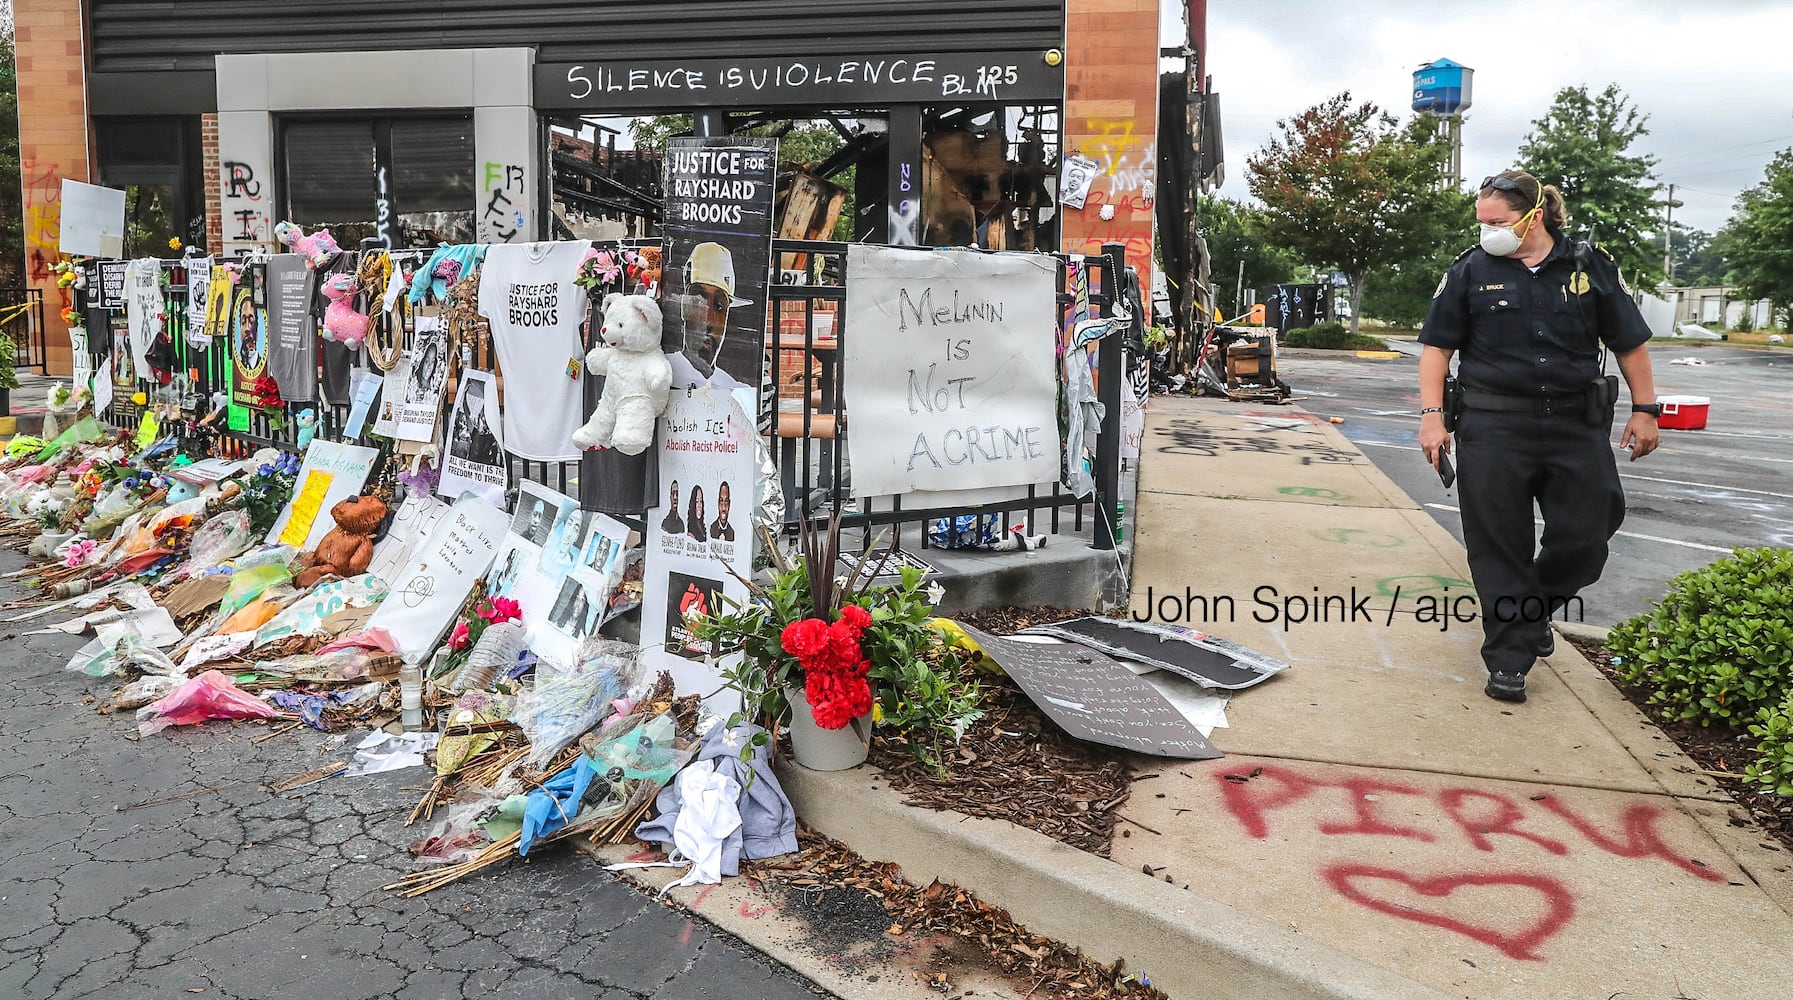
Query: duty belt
{"x": 1542, "y": 406}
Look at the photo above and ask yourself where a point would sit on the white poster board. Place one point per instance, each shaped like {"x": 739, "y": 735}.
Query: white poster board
{"x": 416, "y": 518}
{"x": 426, "y": 597}
{"x": 82, "y": 376}
{"x": 330, "y": 474}
{"x": 93, "y": 220}
{"x": 561, "y": 564}
{"x": 698, "y": 530}
{"x": 948, "y": 362}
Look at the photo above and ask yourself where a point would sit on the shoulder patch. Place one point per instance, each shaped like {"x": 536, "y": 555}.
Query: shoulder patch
{"x": 1436, "y": 292}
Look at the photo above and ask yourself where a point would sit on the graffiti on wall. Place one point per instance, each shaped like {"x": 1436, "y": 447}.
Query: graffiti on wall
{"x": 1496, "y": 840}
{"x": 245, "y": 209}
{"x": 43, "y": 217}
{"x": 503, "y": 217}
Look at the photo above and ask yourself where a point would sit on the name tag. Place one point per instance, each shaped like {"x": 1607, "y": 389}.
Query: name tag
{"x": 1492, "y": 288}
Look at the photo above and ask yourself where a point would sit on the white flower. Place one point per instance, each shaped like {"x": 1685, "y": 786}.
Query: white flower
{"x": 936, "y": 593}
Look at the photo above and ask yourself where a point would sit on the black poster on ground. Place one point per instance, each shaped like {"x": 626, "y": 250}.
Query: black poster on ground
{"x": 718, "y": 252}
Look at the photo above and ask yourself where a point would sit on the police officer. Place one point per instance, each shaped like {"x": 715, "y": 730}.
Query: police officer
{"x": 1532, "y": 313}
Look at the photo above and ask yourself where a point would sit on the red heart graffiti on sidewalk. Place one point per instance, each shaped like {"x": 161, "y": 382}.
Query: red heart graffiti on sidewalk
{"x": 1522, "y": 944}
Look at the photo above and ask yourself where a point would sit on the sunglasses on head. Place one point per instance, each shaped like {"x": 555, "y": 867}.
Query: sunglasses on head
{"x": 1500, "y": 182}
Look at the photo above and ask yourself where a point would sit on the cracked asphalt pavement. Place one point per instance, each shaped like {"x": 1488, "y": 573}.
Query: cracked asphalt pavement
{"x": 219, "y": 888}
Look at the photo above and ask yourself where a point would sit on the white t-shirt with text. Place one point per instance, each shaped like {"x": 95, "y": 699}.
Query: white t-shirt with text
{"x": 527, "y": 294}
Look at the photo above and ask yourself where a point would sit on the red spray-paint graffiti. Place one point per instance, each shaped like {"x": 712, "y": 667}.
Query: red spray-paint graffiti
{"x": 1487, "y": 820}
{"x": 1349, "y": 879}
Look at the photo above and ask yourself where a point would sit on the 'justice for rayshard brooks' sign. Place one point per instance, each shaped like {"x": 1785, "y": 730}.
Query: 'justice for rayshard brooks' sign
{"x": 949, "y": 370}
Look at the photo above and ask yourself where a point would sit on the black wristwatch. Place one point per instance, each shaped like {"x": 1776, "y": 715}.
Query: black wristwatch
{"x": 1653, "y": 409}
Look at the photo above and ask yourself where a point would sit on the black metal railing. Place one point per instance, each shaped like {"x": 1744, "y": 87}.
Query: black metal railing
{"x": 22, "y": 321}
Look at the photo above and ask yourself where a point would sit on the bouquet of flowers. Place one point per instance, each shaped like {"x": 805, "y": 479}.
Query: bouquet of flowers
{"x": 269, "y": 491}
{"x": 851, "y": 647}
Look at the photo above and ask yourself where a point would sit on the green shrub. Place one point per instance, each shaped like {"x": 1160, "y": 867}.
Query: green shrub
{"x": 1719, "y": 647}
{"x": 1331, "y": 337}
{"x": 1773, "y": 731}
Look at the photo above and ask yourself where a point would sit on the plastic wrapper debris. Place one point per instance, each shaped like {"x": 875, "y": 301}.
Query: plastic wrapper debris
{"x": 142, "y": 691}
{"x": 211, "y": 648}
{"x": 85, "y": 430}
{"x": 136, "y": 653}
{"x": 457, "y": 836}
{"x": 246, "y": 584}
{"x": 225, "y": 536}
{"x": 211, "y": 695}
{"x": 470, "y": 709}
{"x": 382, "y": 751}
{"x": 258, "y": 612}
{"x": 306, "y": 615}
{"x": 567, "y": 702}
{"x": 617, "y": 772}
{"x": 335, "y": 667}
{"x": 311, "y": 706}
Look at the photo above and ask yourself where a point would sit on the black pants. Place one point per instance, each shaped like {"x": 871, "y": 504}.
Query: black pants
{"x": 1505, "y": 461}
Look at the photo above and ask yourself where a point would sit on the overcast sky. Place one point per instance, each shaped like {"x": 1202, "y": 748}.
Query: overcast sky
{"x": 1714, "y": 75}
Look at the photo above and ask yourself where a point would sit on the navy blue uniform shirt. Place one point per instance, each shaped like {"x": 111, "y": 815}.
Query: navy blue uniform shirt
{"x": 1532, "y": 334}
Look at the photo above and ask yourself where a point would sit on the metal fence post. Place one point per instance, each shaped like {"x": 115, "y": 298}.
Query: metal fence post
{"x": 1110, "y": 384}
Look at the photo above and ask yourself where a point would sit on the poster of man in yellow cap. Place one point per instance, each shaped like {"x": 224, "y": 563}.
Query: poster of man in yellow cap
{"x": 719, "y": 194}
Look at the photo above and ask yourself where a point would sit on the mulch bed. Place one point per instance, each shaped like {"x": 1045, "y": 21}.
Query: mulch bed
{"x": 1721, "y": 752}
{"x": 824, "y": 870}
{"x": 1016, "y": 765}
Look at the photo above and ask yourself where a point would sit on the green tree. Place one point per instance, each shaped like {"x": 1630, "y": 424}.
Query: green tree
{"x": 12, "y": 209}
{"x": 1580, "y": 145}
{"x": 1346, "y": 186}
{"x": 1698, "y": 255}
{"x": 1758, "y": 241}
{"x": 1227, "y": 226}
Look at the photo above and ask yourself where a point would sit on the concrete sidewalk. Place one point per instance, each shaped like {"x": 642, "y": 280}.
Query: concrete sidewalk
{"x": 1374, "y": 799}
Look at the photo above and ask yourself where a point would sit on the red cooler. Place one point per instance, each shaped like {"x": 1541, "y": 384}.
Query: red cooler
{"x": 1684, "y": 413}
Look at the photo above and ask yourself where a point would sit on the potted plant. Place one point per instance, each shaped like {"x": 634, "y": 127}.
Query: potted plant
{"x": 828, "y": 656}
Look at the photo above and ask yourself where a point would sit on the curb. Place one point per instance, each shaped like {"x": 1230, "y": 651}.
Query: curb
{"x": 1188, "y": 945}
{"x": 1379, "y": 354}
{"x": 1583, "y": 631}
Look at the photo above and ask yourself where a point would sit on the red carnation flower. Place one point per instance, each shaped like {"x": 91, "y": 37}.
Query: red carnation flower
{"x": 805, "y": 639}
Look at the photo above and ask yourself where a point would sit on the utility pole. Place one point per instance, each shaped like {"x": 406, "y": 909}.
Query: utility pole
{"x": 1668, "y": 236}
{"x": 1239, "y": 290}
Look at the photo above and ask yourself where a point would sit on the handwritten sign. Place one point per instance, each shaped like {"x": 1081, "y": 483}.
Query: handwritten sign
{"x": 346, "y": 466}
{"x": 822, "y": 80}
{"x": 949, "y": 365}
{"x": 411, "y": 526}
{"x": 307, "y": 502}
{"x": 1095, "y": 697}
{"x": 148, "y": 429}
{"x": 428, "y": 593}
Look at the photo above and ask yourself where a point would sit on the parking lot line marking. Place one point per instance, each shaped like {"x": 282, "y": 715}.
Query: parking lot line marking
{"x": 1628, "y": 534}
{"x": 1708, "y": 486}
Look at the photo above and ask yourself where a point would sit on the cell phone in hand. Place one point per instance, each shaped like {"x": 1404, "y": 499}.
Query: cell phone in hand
{"x": 1447, "y": 473}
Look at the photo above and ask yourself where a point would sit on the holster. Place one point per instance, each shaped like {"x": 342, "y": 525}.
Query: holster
{"x": 1602, "y": 400}
{"x": 1453, "y": 402}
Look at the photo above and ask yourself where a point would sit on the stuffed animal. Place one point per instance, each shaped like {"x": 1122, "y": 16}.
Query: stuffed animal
{"x": 637, "y": 376}
{"x": 342, "y": 323}
{"x": 308, "y": 427}
{"x": 318, "y": 248}
{"x": 349, "y": 547}
{"x": 645, "y": 268}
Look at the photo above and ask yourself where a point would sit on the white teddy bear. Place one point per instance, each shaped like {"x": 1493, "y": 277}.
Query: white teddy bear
{"x": 637, "y": 376}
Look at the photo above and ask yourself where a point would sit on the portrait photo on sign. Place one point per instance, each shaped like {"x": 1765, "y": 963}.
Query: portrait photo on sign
{"x": 429, "y": 365}
{"x": 688, "y": 595}
{"x": 579, "y": 608}
{"x": 566, "y": 542}
{"x": 502, "y": 580}
{"x": 535, "y": 516}
{"x": 718, "y": 230}
{"x": 474, "y": 438}
{"x": 722, "y": 529}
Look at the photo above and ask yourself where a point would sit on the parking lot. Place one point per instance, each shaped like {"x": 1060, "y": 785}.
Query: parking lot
{"x": 1700, "y": 495}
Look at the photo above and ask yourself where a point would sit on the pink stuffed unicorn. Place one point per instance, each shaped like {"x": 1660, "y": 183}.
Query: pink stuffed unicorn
{"x": 318, "y": 248}
{"x": 341, "y": 322}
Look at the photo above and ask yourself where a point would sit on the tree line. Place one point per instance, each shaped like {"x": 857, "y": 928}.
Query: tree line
{"x": 1346, "y": 187}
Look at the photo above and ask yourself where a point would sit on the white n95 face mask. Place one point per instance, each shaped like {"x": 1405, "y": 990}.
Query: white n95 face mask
{"x": 1499, "y": 241}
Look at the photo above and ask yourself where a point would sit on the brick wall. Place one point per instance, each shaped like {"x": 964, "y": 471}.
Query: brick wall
{"x": 214, "y": 184}
{"x": 1111, "y": 117}
{"x": 53, "y": 144}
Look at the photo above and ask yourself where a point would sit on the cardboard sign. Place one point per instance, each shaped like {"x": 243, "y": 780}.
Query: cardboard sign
{"x": 427, "y": 596}
{"x": 425, "y": 376}
{"x": 1094, "y": 697}
{"x": 308, "y": 502}
{"x": 698, "y": 531}
{"x": 949, "y": 363}
{"x": 415, "y": 520}
{"x": 346, "y": 468}
{"x": 93, "y": 220}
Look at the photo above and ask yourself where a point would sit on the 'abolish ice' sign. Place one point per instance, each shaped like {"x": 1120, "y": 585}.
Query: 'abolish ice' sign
{"x": 949, "y": 370}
